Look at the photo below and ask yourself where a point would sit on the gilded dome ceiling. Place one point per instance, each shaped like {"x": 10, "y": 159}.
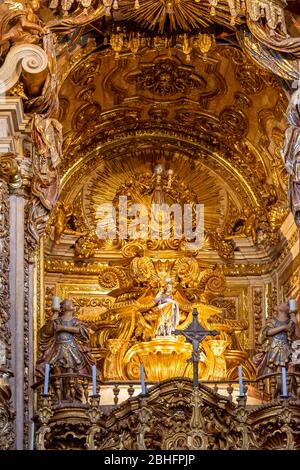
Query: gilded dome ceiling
{"x": 211, "y": 120}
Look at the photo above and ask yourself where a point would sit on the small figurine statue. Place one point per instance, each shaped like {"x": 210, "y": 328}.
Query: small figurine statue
{"x": 248, "y": 227}
{"x": 63, "y": 213}
{"x": 296, "y": 353}
{"x": 158, "y": 196}
{"x": 21, "y": 24}
{"x": 47, "y": 138}
{"x": 290, "y": 154}
{"x": 276, "y": 339}
{"x": 169, "y": 311}
{"x": 63, "y": 343}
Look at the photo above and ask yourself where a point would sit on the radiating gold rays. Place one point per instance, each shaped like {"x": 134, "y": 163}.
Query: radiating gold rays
{"x": 186, "y": 15}
{"x": 104, "y": 185}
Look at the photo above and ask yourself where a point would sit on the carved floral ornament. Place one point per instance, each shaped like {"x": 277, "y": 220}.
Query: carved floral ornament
{"x": 166, "y": 78}
{"x": 231, "y": 125}
{"x": 28, "y": 24}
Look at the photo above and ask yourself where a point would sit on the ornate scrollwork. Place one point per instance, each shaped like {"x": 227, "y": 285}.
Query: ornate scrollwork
{"x": 249, "y": 78}
{"x": 172, "y": 416}
{"x": 197, "y": 437}
{"x": 86, "y": 245}
{"x": 142, "y": 269}
{"x": 166, "y": 78}
{"x": 258, "y": 312}
{"x": 132, "y": 249}
{"x": 32, "y": 59}
{"x": 112, "y": 277}
{"x": 86, "y": 114}
{"x": 85, "y": 73}
{"x": 9, "y": 169}
{"x": 233, "y": 123}
{"x": 187, "y": 127}
{"x": 6, "y": 411}
{"x": 215, "y": 283}
{"x": 187, "y": 270}
{"x": 228, "y": 306}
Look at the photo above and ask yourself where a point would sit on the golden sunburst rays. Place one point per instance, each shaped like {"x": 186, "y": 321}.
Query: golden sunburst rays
{"x": 207, "y": 188}
{"x": 105, "y": 185}
{"x": 184, "y": 15}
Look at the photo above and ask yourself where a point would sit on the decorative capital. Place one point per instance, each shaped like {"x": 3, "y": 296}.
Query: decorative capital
{"x": 9, "y": 169}
{"x": 29, "y": 57}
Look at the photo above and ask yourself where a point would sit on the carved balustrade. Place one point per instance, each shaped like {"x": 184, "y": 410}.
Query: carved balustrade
{"x": 171, "y": 415}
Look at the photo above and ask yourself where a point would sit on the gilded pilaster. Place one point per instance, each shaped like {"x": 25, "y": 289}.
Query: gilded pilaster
{"x": 6, "y": 414}
{"x": 14, "y": 174}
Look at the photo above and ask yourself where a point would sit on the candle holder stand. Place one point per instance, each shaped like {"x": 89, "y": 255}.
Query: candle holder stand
{"x": 144, "y": 417}
{"x": 197, "y": 438}
{"x": 241, "y": 400}
{"x": 94, "y": 414}
{"x": 285, "y": 420}
{"x": 248, "y": 438}
{"x": 45, "y": 413}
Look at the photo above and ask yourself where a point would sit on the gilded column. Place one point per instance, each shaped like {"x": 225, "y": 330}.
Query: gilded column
{"x": 9, "y": 180}
{"x": 14, "y": 172}
{"x": 6, "y": 413}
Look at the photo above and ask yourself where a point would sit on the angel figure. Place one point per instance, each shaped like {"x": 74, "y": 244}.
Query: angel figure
{"x": 63, "y": 213}
{"x": 47, "y": 137}
{"x": 63, "y": 343}
{"x": 246, "y": 226}
{"x": 169, "y": 310}
{"x": 21, "y": 24}
{"x": 291, "y": 154}
{"x": 276, "y": 338}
